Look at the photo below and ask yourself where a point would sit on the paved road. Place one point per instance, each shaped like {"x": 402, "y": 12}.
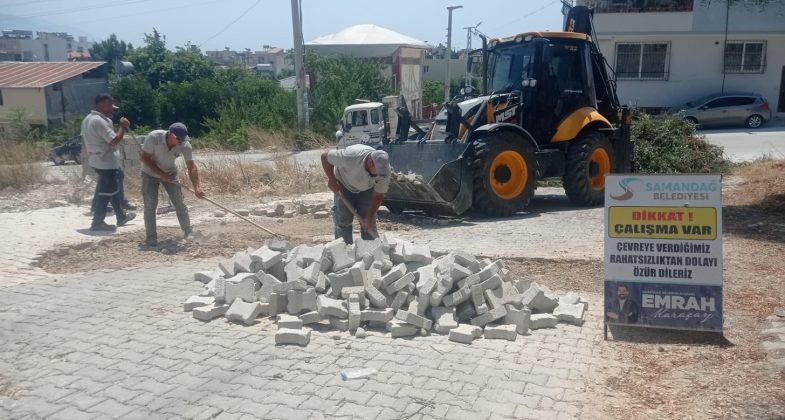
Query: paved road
{"x": 743, "y": 145}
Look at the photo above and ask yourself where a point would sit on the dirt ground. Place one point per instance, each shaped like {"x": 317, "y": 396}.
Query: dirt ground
{"x": 649, "y": 373}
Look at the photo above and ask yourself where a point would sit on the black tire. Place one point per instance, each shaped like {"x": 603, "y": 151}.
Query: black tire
{"x": 692, "y": 120}
{"x": 57, "y": 160}
{"x": 755, "y": 121}
{"x": 486, "y": 199}
{"x": 580, "y": 176}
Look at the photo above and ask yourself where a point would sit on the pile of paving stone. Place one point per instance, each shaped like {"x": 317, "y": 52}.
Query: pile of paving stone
{"x": 284, "y": 210}
{"x": 387, "y": 283}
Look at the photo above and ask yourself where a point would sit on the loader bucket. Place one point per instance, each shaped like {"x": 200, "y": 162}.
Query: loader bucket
{"x": 430, "y": 176}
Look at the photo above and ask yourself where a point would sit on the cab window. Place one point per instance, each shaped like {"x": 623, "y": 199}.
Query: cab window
{"x": 358, "y": 118}
{"x": 375, "y": 116}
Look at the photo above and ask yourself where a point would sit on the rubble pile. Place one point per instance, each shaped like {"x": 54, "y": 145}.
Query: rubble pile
{"x": 386, "y": 283}
{"x": 320, "y": 210}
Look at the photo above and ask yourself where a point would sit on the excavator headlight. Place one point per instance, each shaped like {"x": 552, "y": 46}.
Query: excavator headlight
{"x": 518, "y": 39}
{"x": 493, "y": 43}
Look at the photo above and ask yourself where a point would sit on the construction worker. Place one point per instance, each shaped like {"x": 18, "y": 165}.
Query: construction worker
{"x": 160, "y": 149}
{"x": 362, "y": 175}
{"x": 101, "y": 143}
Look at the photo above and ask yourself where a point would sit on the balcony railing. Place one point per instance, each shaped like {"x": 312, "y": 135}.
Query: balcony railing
{"x": 638, "y": 6}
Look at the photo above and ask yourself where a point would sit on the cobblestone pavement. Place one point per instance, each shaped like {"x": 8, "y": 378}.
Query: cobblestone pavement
{"x": 550, "y": 227}
{"x": 117, "y": 345}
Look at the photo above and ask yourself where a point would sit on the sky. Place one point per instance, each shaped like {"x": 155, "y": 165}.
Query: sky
{"x": 240, "y": 24}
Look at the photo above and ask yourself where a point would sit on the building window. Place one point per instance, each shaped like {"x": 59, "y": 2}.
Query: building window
{"x": 642, "y": 61}
{"x": 1, "y": 98}
{"x": 745, "y": 57}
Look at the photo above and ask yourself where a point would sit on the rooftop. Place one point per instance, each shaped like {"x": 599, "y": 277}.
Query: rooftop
{"x": 15, "y": 74}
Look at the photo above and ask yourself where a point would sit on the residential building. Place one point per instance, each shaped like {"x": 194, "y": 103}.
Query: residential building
{"x": 270, "y": 55}
{"x": 19, "y": 45}
{"x": 667, "y": 52}
{"x": 50, "y": 93}
{"x": 271, "y": 60}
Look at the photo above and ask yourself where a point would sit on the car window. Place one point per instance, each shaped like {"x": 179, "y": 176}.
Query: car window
{"x": 727, "y": 101}
{"x": 375, "y": 116}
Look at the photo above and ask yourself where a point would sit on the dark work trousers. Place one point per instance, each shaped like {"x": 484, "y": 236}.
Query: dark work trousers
{"x": 343, "y": 217}
{"x": 150, "y": 186}
{"x": 108, "y": 190}
{"x": 121, "y": 183}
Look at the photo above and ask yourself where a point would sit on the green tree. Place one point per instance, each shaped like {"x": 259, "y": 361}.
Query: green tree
{"x": 110, "y": 50}
{"x": 144, "y": 58}
{"x": 432, "y": 92}
{"x": 136, "y": 99}
{"x": 338, "y": 82}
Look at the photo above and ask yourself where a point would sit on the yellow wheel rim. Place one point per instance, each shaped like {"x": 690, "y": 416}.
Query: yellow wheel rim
{"x": 599, "y": 166}
{"x": 509, "y": 174}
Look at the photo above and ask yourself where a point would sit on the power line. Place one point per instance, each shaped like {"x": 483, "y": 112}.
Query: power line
{"x": 149, "y": 11}
{"x": 82, "y": 9}
{"x": 230, "y": 23}
{"x": 529, "y": 14}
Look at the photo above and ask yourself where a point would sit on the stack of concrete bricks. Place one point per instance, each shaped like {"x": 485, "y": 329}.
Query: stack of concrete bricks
{"x": 130, "y": 151}
{"x": 289, "y": 210}
{"x": 388, "y": 284}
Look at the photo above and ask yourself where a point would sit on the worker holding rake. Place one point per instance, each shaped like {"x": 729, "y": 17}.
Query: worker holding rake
{"x": 160, "y": 150}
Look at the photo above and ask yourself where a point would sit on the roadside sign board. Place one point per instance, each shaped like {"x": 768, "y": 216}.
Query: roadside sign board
{"x": 663, "y": 251}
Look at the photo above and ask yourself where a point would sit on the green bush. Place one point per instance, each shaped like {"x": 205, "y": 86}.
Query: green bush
{"x": 669, "y": 144}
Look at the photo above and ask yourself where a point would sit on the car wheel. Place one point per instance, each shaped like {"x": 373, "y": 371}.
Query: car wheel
{"x": 755, "y": 121}
{"x": 692, "y": 120}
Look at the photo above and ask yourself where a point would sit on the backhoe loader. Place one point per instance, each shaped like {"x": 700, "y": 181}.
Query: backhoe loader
{"x": 550, "y": 110}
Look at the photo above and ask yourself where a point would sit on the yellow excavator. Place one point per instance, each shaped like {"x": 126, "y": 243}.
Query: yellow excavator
{"x": 550, "y": 110}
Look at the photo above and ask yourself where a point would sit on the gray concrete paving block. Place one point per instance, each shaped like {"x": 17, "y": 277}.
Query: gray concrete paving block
{"x": 539, "y": 299}
{"x": 288, "y": 321}
{"x": 322, "y": 214}
{"x": 298, "y": 336}
{"x": 465, "y": 311}
{"x": 301, "y": 301}
{"x": 340, "y": 280}
{"x": 209, "y": 312}
{"x": 520, "y": 318}
{"x": 398, "y": 328}
{"x": 376, "y": 298}
{"x": 285, "y": 287}
{"x": 494, "y": 297}
{"x": 416, "y": 253}
{"x": 327, "y": 306}
{"x": 312, "y": 317}
{"x": 278, "y": 245}
{"x": 268, "y": 285}
{"x": 265, "y": 258}
{"x": 459, "y": 296}
{"x": 244, "y": 312}
{"x": 241, "y": 286}
{"x": 197, "y": 301}
{"x": 354, "y": 312}
{"x": 322, "y": 283}
{"x": 278, "y": 303}
{"x": 444, "y": 319}
{"x": 340, "y": 254}
{"x": 501, "y": 332}
{"x": 490, "y": 270}
{"x": 394, "y": 274}
{"x": 399, "y": 300}
{"x": 490, "y": 316}
{"x": 458, "y": 272}
{"x": 377, "y": 315}
{"x": 339, "y": 324}
{"x": 464, "y": 334}
{"x": 227, "y": 267}
{"x": 570, "y": 313}
{"x": 414, "y": 319}
{"x": 543, "y": 321}
{"x": 311, "y": 273}
{"x": 207, "y": 276}
{"x": 243, "y": 263}
{"x": 399, "y": 284}
{"x": 467, "y": 260}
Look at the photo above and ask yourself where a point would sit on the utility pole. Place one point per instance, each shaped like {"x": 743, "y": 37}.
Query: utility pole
{"x": 299, "y": 73}
{"x": 469, "y": 33}
{"x": 449, "y": 51}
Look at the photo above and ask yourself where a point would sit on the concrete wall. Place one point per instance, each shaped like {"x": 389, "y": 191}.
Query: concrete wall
{"x": 35, "y": 49}
{"x": 437, "y": 69}
{"x": 710, "y": 17}
{"x": 31, "y": 100}
{"x": 655, "y": 22}
{"x": 76, "y": 96}
{"x": 696, "y": 63}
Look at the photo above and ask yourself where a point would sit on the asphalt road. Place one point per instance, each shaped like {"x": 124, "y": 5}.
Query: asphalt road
{"x": 742, "y": 144}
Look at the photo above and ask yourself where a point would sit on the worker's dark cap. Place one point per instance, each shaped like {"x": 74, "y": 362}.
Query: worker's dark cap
{"x": 180, "y": 131}
{"x": 103, "y": 97}
{"x": 381, "y": 160}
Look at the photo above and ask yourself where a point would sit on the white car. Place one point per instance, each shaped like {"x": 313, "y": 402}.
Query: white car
{"x": 362, "y": 123}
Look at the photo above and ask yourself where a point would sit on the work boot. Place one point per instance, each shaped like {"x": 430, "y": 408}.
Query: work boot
{"x": 128, "y": 217}
{"x": 129, "y": 206}
{"x": 102, "y": 227}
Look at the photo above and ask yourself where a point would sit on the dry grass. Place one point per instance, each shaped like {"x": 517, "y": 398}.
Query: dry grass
{"x": 286, "y": 140}
{"x": 236, "y": 175}
{"x": 764, "y": 184}
{"x": 20, "y": 165}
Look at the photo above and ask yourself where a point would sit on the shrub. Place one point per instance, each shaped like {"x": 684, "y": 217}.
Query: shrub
{"x": 669, "y": 144}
